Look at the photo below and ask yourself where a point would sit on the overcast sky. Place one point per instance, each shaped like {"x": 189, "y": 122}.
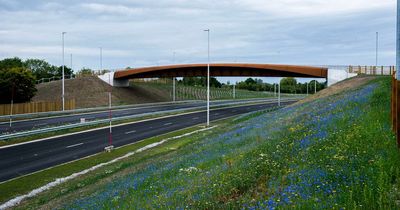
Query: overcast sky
{"x": 144, "y": 33}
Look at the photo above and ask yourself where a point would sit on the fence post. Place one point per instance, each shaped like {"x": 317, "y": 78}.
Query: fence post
{"x": 393, "y": 104}
{"x": 397, "y": 111}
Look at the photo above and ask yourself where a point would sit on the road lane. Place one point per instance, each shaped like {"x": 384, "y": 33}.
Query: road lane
{"x": 25, "y": 125}
{"x": 27, "y": 158}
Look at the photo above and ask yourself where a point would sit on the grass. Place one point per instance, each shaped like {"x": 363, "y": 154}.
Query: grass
{"x": 337, "y": 152}
{"x": 200, "y": 93}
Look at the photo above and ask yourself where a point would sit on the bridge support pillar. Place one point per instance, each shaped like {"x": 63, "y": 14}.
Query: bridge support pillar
{"x": 109, "y": 79}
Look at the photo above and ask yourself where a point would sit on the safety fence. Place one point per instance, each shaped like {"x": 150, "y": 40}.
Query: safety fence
{"x": 359, "y": 69}
{"x": 395, "y": 107}
{"x": 33, "y": 107}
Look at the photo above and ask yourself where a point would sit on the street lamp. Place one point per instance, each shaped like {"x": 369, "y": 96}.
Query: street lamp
{"x": 307, "y": 88}
{"x": 208, "y": 78}
{"x": 377, "y": 46}
{"x": 101, "y": 60}
{"x": 173, "y": 82}
{"x": 279, "y": 93}
{"x": 63, "y": 64}
{"x": 315, "y": 86}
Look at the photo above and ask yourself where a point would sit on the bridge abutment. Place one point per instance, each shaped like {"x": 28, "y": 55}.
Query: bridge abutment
{"x": 109, "y": 79}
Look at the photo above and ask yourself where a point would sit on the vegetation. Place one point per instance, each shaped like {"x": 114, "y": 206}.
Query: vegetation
{"x": 337, "y": 153}
{"x": 200, "y": 82}
{"x": 288, "y": 85}
{"x": 18, "y": 77}
{"x": 17, "y": 83}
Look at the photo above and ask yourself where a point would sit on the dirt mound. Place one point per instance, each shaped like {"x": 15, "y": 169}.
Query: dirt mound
{"x": 93, "y": 92}
{"x": 340, "y": 87}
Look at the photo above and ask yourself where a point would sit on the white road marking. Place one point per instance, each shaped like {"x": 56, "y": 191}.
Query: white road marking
{"x": 75, "y": 145}
{"x": 195, "y": 118}
{"x": 129, "y": 132}
{"x": 40, "y": 124}
{"x": 168, "y": 123}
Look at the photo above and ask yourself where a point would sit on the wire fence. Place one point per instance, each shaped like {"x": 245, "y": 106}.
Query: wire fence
{"x": 34, "y": 107}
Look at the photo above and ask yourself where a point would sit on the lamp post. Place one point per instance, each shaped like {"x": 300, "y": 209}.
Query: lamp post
{"x": 279, "y": 93}
{"x": 173, "y": 83}
{"x": 307, "y": 88}
{"x": 208, "y": 78}
{"x": 397, "y": 82}
{"x": 377, "y": 47}
{"x": 71, "y": 65}
{"x": 315, "y": 86}
{"x": 101, "y": 60}
{"x": 234, "y": 91}
{"x": 12, "y": 103}
{"x": 63, "y": 76}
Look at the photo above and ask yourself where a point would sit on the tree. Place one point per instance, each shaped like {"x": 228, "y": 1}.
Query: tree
{"x": 17, "y": 83}
{"x": 67, "y": 71}
{"x": 201, "y": 81}
{"x": 40, "y": 68}
{"x": 85, "y": 72}
{"x": 9, "y": 63}
{"x": 288, "y": 85}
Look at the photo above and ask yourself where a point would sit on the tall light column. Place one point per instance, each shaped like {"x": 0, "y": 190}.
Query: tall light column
{"x": 208, "y": 78}
{"x": 234, "y": 91}
{"x": 101, "y": 59}
{"x": 397, "y": 96}
{"x": 307, "y": 88}
{"x": 63, "y": 76}
{"x": 173, "y": 83}
{"x": 279, "y": 93}
{"x": 315, "y": 86}
{"x": 71, "y": 64}
{"x": 377, "y": 47}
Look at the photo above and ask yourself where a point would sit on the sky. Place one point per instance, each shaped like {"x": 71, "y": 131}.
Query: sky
{"x": 135, "y": 33}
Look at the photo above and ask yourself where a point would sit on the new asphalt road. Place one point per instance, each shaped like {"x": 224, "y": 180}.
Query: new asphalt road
{"x": 24, "y": 125}
{"x": 23, "y": 159}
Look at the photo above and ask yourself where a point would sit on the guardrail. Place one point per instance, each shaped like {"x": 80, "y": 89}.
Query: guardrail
{"x": 50, "y": 79}
{"x": 90, "y": 123}
{"x": 84, "y": 110}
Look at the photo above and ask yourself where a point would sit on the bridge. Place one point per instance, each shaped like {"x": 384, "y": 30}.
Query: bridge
{"x": 121, "y": 77}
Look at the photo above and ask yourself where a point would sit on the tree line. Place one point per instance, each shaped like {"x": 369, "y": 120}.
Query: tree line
{"x": 18, "y": 77}
{"x": 288, "y": 85}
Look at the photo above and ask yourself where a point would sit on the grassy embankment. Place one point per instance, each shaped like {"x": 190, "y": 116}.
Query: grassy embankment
{"x": 92, "y": 92}
{"x": 334, "y": 152}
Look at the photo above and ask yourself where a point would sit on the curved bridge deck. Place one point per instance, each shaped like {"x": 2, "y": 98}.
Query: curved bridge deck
{"x": 223, "y": 69}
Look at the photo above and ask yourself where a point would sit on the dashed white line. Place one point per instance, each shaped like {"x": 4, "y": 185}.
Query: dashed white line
{"x": 129, "y": 132}
{"x": 195, "y": 118}
{"x": 168, "y": 124}
{"x": 40, "y": 124}
{"x": 74, "y": 145}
